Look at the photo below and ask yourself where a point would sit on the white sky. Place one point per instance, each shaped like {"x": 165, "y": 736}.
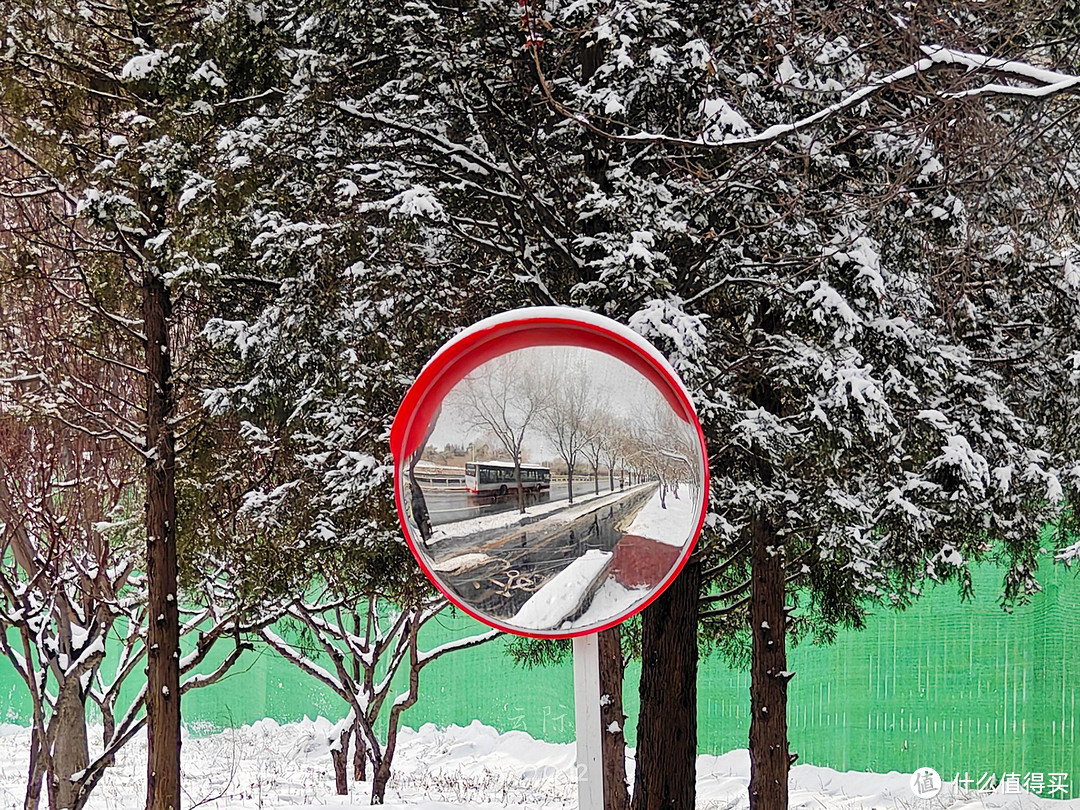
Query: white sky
{"x": 615, "y": 386}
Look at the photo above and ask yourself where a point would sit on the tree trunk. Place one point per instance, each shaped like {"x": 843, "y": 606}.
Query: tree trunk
{"x": 612, "y": 720}
{"x": 380, "y": 780}
{"x": 360, "y": 747}
{"x": 37, "y": 768}
{"x": 570, "y": 484}
{"x": 594, "y": 150}
{"x": 667, "y": 723}
{"x": 339, "y": 755}
{"x": 402, "y": 704}
{"x": 71, "y": 751}
{"x": 517, "y": 482}
{"x": 769, "y": 761}
{"x": 382, "y": 769}
{"x": 108, "y": 727}
{"x": 359, "y": 755}
{"x": 163, "y": 635}
{"x": 596, "y": 480}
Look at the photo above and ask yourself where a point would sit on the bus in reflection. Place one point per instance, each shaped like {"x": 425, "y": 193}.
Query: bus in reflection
{"x": 496, "y": 478}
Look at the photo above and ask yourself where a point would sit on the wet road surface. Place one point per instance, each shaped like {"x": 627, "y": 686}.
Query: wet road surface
{"x": 450, "y": 505}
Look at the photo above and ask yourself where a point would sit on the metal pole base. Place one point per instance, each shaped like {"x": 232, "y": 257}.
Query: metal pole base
{"x": 590, "y": 768}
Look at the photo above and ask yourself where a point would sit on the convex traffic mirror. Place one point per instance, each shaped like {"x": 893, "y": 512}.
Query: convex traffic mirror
{"x": 550, "y": 472}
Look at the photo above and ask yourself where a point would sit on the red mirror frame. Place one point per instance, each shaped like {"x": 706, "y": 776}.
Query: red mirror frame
{"x": 520, "y": 329}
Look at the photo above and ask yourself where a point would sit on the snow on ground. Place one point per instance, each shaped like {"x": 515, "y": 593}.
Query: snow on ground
{"x": 722, "y": 782}
{"x": 611, "y": 600}
{"x": 671, "y": 525}
{"x": 268, "y": 764}
{"x": 463, "y": 562}
{"x": 591, "y": 503}
{"x": 502, "y": 520}
{"x": 559, "y": 596}
{"x": 271, "y": 765}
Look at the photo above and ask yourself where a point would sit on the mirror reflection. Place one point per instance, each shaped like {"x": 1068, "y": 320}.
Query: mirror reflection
{"x": 556, "y": 489}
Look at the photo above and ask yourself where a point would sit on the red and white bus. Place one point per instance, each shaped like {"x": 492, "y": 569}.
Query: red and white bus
{"x": 497, "y": 477}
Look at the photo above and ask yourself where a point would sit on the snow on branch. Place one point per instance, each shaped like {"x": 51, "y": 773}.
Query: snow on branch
{"x": 1069, "y": 554}
{"x": 207, "y": 678}
{"x": 468, "y": 158}
{"x": 1042, "y": 84}
{"x": 457, "y": 644}
{"x": 286, "y": 650}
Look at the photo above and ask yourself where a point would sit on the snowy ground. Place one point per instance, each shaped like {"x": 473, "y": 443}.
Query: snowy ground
{"x": 272, "y": 765}
{"x": 671, "y": 525}
{"x": 557, "y": 598}
{"x": 502, "y": 520}
{"x": 611, "y": 600}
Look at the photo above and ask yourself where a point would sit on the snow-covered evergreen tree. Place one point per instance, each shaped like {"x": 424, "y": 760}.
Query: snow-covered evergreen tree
{"x": 849, "y": 229}
{"x": 111, "y": 115}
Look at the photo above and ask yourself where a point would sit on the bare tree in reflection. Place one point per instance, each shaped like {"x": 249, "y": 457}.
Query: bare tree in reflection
{"x": 611, "y": 450}
{"x": 565, "y": 419}
{"x": 598, "y": 423}
{"x": 505, "y": 398}
{"x": 659, "y": 445}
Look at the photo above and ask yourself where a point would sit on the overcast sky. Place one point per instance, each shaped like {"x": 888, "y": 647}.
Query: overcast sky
{"x": 613, "y": 384}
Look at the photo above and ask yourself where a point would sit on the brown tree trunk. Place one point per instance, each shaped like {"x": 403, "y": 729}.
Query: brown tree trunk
{"x": 163, "y": 635}
{"x": 108, "y": 728}
{"x": 380, "y": 780}
{"x": 381, "y": 776}
{"x": 340, "y": 758}
{"x": 71, "y": 751}
{"x": 37, "y": 768}
{"x": 359, "y": 754}
{"x": 517, "y": 483}
{"x": 360, "y": 747}
{"x": 612, "y": 720}
{"x": 667, "y": 722}
{"x": 769, "y": 761}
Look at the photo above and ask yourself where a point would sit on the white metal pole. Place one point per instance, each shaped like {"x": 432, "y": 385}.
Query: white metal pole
{"x": 587, "y": 722}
